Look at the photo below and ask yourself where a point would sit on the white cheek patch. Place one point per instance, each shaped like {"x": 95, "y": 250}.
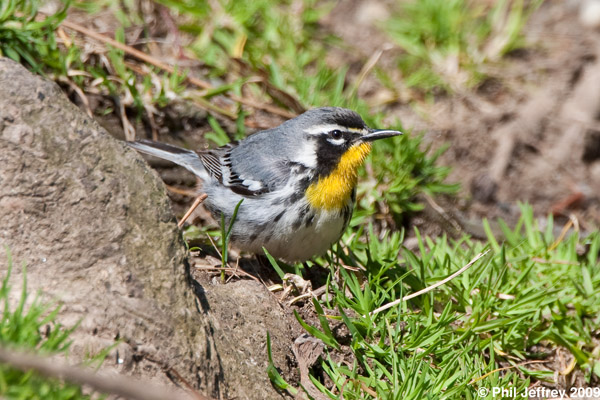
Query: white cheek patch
{"x": 306, "y": 154}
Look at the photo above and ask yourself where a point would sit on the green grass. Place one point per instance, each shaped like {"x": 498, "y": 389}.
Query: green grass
{"x": 27, "y": 40}
{"x": 528, "y": 291}
{"x": 33, "y": 327}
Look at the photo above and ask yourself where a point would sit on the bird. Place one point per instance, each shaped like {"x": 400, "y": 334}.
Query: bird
{"x": 296, "y": 182}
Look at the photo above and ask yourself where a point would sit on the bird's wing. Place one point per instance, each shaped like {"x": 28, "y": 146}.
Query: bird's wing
{"x": 247, "y": 170}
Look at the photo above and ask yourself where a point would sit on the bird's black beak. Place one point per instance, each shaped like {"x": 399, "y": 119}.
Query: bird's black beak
{"x": 375, "y": 134}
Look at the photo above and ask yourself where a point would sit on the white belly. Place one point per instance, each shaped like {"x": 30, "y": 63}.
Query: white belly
{"x": 290, "y": 232}
{"x": 307, "y": 242}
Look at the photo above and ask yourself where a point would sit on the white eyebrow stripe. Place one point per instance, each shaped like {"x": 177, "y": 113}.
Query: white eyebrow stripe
{"x": 320, "y": 129}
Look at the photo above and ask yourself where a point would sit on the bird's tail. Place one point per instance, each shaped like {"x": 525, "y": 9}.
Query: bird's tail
{"x": 186, "y": 158}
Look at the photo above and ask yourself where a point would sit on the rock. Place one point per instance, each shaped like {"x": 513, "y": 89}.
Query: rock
{"x": 94, "y": 226}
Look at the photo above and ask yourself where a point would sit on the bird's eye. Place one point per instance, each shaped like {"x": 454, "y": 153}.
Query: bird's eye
{"x": 336, "y": 134}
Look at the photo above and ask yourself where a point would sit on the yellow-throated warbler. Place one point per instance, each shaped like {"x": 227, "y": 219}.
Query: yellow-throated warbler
{"x": 297, "y": 181}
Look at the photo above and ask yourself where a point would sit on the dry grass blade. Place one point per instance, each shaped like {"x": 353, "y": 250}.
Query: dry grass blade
{"x": 430, "y": 288}
{"x": 572, "y": 222}
{"x": 369, "y": 65}
{"x": 505, "y": 368}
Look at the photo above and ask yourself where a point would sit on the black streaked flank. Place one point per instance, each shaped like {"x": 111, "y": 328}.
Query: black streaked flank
{"x": 309, "y": 220}
{"x": 294, "y": 198}
{"x": 297, "y": 224}
{"x": 244, "y": 191}
{"x": 304, "y": 210}
{"x": 303, "y": 183}
{"x": 277, "y": 201}
{"x": 268, "y": 236}
{"x": 278, "y": 217}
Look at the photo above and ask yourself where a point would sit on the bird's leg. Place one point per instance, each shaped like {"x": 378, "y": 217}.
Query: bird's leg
{"x": 189, "y": 212}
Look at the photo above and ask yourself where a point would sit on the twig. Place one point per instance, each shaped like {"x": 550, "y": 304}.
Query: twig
{"x": 201, "y": 102}
{"x": 430, "y": 288}
{"x": 234, "y": 272}
{"x": 189, "y": 212}
{"x": 152, "y": 121}
{"x": 214, "y": 245}
{"x": 572, "y": 201}
{"x": 188, "y": 385}
{"x": 266, "y": 107}
{"x": 118, "y": 385}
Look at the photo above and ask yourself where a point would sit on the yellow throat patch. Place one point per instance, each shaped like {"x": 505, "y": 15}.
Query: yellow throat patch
{"x": 333, "y": 191}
